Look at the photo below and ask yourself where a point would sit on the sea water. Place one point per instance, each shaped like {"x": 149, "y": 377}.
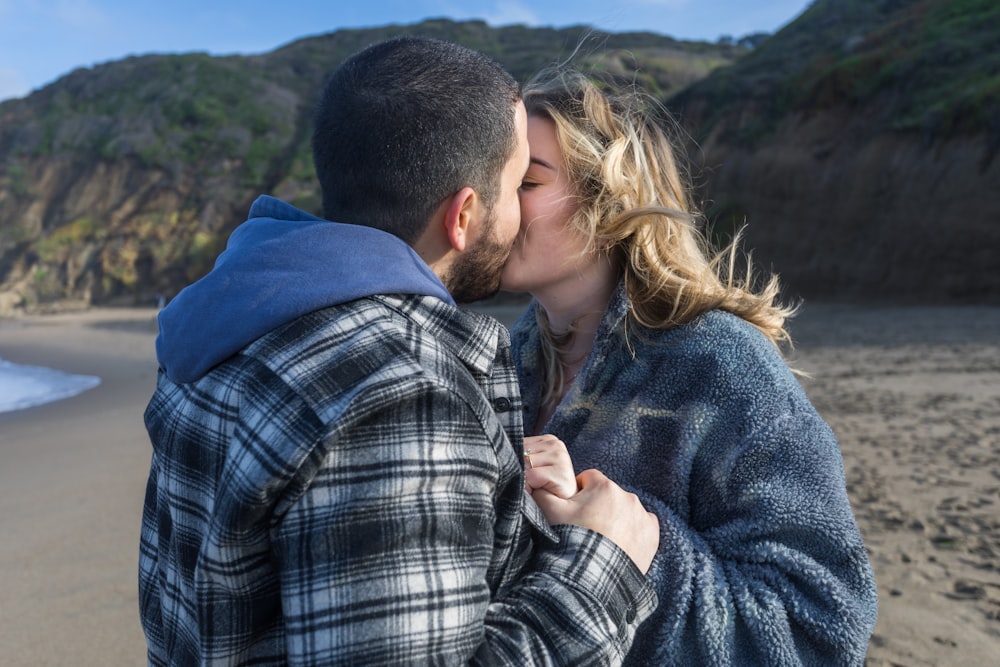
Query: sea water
{"x": 28, "y": 386}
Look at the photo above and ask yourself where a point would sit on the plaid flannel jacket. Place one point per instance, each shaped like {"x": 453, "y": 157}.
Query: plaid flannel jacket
{"x": 349, "y": 490}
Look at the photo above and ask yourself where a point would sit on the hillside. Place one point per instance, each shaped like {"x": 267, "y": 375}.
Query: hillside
{"x": 120, "y": 183}
{"x": 859, "y": 147}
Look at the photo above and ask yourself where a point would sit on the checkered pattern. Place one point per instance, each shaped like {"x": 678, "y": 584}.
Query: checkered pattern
{"x": 346, "y": 491}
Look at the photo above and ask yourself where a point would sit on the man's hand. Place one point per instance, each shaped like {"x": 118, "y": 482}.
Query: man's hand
{"x": 547, "y": 465}
{"x": 603, "y": 506}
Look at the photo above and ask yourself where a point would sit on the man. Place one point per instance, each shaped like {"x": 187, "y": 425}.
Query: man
{"x": 337, "y": 474}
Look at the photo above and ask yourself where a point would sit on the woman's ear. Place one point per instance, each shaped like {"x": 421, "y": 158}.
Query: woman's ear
{"x": 459, "y": 217}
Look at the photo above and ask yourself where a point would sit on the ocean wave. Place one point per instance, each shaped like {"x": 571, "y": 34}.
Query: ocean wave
{"x": 29, "y": 386}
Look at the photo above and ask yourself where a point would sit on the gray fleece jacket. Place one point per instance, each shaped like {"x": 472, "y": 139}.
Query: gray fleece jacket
{"x": 760, "y": 559}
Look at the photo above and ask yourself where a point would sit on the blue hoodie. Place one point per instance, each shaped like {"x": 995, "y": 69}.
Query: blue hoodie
{"x": 279, "y": 265}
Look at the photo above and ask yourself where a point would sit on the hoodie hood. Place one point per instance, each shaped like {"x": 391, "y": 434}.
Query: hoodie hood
{"x": 277, "y": 266}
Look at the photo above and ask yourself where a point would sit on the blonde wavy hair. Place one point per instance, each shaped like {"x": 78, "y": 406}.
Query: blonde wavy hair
{"x": 635, "y": 203}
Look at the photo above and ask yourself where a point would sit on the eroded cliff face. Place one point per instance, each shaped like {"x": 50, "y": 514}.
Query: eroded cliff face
{"x": 842, "y": 213}
{"x": 119, "y": 184}
{"x": 859, "y": 146}
{"x": 110, "y": 232}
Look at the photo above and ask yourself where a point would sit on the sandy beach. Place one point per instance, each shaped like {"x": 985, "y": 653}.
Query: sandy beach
{"x": 913, "y": 394}
{"x": 72, "y": 478}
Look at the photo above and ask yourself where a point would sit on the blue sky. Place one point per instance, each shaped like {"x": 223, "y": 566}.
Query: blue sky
{"x": 40, "y": 40}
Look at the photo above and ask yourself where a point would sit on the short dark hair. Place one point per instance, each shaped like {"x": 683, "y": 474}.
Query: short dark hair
{"x": 406, "y": 123}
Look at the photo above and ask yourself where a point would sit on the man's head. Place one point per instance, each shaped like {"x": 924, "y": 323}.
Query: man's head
{"x": 474, "y": 272}
{"x": 405, "y": 124}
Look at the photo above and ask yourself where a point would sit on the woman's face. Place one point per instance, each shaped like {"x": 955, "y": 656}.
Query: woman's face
{"x": 547, "y": 252}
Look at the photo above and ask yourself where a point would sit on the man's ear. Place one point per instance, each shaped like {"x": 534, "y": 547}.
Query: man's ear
{"x": 459, "y": 217}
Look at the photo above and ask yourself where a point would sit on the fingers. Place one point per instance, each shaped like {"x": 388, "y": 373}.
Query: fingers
{"x": 547, "y": 465}
{"x": 603, "y": 506}
{"x": 537, "y": 444}
{"x": 592, "y": 478}
{"x": 555, "y": 509}
{"x": 553, "y": 479}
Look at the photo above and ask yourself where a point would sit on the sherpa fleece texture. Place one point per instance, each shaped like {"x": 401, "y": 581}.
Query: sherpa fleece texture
{"x": 760, "y": 559}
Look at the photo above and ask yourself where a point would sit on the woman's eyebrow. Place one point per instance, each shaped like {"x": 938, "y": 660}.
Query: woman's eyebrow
{"x": 540, "y": 161}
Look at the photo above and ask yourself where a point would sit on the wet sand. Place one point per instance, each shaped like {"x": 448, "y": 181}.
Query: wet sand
{"x": 913, "y": 394}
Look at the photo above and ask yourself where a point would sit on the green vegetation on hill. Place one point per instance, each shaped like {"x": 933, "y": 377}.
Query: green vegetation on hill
{"x": 168, "y": 111}
{"x": 189, "y": 108}
{"x": 930, "y": 66}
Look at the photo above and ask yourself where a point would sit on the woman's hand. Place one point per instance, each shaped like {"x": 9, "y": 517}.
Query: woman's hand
{"x": 547, "y": 465}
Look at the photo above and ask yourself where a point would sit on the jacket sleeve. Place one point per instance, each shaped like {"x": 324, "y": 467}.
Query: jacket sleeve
{"x": 768, "y": 566}
{"x": 387, "y": 553}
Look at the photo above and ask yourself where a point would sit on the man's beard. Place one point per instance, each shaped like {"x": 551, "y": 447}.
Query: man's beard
{"x": 475, "y": 275}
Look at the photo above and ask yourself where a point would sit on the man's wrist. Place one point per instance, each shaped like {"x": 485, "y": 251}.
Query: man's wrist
{"x": 604, "y": 571}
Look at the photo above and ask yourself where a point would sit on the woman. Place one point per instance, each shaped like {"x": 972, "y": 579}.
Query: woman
{"x": 645, "y": 353}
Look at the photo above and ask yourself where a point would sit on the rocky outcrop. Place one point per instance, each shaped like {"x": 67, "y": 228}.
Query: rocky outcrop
{"x": 842, "y": 213}
{"x": 111, "y": 232}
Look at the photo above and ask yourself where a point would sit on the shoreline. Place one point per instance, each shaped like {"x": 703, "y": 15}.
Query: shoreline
{"x": 913, "y": 394}
{"x": 72, "y": 478}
